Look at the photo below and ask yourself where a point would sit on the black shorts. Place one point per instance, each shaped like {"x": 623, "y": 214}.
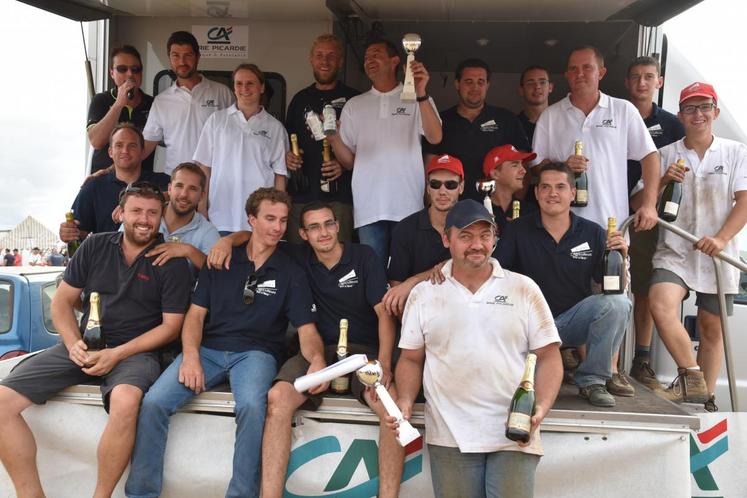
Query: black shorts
{"x": 42, "y": 376}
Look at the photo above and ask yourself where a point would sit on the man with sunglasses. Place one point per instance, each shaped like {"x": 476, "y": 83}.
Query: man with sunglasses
{"x": 125, "y": 103}
{"x": 234, "y": 331}
{"x": 714, "y": 208}
{"x": 417, "y": 250}
{"x": 142, "y": 308}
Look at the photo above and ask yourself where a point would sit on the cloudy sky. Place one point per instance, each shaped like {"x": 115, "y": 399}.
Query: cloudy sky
{"x": 43, "y": 98}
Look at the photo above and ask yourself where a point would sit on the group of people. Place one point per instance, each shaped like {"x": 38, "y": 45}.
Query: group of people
{"x": 35, "y": 257}
{"x": 472, "y": 290}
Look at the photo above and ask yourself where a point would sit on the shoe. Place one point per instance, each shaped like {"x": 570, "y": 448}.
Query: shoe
{"x": 568, "y": 377}
{"x": 710, "y": 404}
{"x": 597, "y": 395}
{"x": 689, "y": 387}
{"x": 643, "y": 373}
{"x": 618, "y": 385}
{"x": 570, "y": 361}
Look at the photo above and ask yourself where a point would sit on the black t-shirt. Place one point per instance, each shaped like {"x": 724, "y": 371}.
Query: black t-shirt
{"x": 97, "y": 199}
{"x": 282, "y": 293}
{"x": 527, "y": 126}
{"x": 311, "y": 98}
{"x": 562, "y": 270}
{"x": 470, "y": 141}
{"x": 10, "y": 260}
{"x": 132, "y": 298}
{"x": 100, "y": 105}
{"x": 665, "y": 129}
{"x": 416, "y": 247}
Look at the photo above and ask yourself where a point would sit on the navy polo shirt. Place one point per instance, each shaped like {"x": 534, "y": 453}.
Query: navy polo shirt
{"x": 563, "y": 270}
{"x": 100, "y": 105}
{"x": 282, "y": 294}
{"x": 416, "y": 247}
{"x": 471, "y": 140}
{"x": 665, "y": 129}
{"x": 527, "y": 125}
{"x": 349, "y": 290}
{"x": 132, "y": 298}
{"x": 502, "y": 218}
{"x": 97, "y": 199}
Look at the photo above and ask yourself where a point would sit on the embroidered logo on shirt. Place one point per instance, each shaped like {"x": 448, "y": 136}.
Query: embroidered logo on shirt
{"x": 607, "y": 123}
{"x": 313, "y": 307}
{"x": 209, "y": 103}
{"x": 338, "y": 103}
{"x": 581, "y": 251}
{"x": 489, "y": 126}
{"x": 500, "y": 300}
{"x": 262, "y": 133}
{"x": 348, "y": 281}
{"x": 718, "y": 170}
{"x": 267, "y": 288}
{"x": 655, "y": 131}
{"x": 143, "y": 277}
{"x": 401, "y": 111}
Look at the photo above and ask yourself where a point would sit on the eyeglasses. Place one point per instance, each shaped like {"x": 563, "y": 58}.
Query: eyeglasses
{"x": 329, "y": 225}
{"x": 142, "y": 187}
{"x": 449, "y": 184}
{"x": 704, "y": 108}
{"x": 122, "y": 68}
{"x": 250, "y": 287}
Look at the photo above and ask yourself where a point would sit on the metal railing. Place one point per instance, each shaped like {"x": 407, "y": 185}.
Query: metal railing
{"x": 717, "y": 259}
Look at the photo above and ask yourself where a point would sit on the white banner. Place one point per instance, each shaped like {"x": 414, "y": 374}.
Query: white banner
{"x": 718, "y": 455}
{"x": 222, "y": 41}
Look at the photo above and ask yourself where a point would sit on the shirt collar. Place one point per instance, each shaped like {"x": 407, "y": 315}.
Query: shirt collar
{"x": 393, "y": 91}
{"x": 497, "y": 272}
{"x": 538, "y": 221}
{"x": 604, "y": 101}
{"x": 193, "y": 224}
{"x": 423, "y": 221}
{"x": 239, "y": 256}
{"x": 345, "y": 258}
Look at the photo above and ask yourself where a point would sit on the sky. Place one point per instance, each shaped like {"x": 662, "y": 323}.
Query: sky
{"x": 44, "y": 101}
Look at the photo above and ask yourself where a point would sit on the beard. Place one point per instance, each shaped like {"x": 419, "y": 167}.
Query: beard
{"x": 325, "y": 81}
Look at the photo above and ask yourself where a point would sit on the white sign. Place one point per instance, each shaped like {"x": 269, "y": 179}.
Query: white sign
{"x": 222, "y": 41}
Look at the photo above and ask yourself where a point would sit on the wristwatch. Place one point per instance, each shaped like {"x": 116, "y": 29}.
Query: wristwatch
{"x": 423, "y": 98}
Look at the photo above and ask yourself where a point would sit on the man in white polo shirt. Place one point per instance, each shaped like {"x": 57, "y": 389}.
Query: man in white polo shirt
{"x": 470, "y": 363}
{"x": 380, "y": 141}
{"x": 179, "y": 113}
{"x": 241, "y": 149}
{"x": 714, "y": 208}
{"x": 612, "y": 131}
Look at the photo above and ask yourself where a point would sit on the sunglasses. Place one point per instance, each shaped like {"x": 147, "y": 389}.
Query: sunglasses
{"x": 449, "y": 184}
{"x": 122, "y": 68}
{"x": 250, "y": 287}
{"x": 143, "y": 187}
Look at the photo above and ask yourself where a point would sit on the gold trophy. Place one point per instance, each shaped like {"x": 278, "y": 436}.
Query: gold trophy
{"x": 411, "y": 42}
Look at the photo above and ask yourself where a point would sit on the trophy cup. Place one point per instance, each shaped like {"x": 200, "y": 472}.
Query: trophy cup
{"x": 370, "y": 375}
{"x": 411, "y": 42}
{"x": 486, "y": 187}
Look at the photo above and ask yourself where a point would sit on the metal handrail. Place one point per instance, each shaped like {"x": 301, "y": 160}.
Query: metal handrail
{"x": 717, "y": 259}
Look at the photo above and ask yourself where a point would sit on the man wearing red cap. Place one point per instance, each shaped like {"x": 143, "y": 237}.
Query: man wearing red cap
{"x": 417, "y": 249}
{"x": 714, "y": 208}
{"x": 505, "y": 165}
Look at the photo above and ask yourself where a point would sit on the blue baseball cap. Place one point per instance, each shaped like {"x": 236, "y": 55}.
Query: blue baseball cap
{"x": 467, "y": 212}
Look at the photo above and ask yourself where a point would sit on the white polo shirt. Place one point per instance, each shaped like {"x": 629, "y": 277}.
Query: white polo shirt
{"x": 243, "y": 155}
{"x": 388, "y": 173}
{"x": 475, "y": 347}
{"x": 708, "y": 195}
{"x": 178, "y": 115}
{"x": 612, "y": 133}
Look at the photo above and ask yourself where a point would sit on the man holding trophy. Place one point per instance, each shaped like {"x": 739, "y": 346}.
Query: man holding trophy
{"x": 454, "y": 324}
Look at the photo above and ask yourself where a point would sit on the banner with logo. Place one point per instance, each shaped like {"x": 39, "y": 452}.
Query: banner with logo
{"x": 222, "y": 41}
{"x": 718, "y": 456}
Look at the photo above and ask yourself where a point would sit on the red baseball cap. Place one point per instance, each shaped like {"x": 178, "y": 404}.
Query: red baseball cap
{"x": 498, "y": 155}
{"x": 447, "y": 162}
{"x": 698, "y": 90}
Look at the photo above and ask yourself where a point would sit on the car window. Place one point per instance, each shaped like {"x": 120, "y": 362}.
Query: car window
{"x": 48, "y": 291}
{"x": 6, "y": 306}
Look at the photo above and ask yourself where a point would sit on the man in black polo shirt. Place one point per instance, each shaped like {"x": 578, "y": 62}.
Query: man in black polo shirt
{"x": 141, "y": 308}
{"x": 234, "y": 331}
{"x": 417, "y": 250}
{"x": 535, "y": 88}
{"x": 642, "y": 82}
{"x": 125, "y": 103}
{"x": 562, "y": 252}
{"x": 97, "y": 204}
{"x": 472, "y": 127}
{"x": 326, "y": 59}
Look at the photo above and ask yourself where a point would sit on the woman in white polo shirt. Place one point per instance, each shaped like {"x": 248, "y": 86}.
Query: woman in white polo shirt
{"x": 241, "y": 149}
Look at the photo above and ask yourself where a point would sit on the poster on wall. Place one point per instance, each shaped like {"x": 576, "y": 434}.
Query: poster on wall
{"x": 222, "y": 41}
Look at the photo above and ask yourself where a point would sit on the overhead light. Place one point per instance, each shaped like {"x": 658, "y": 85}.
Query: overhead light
{"x": 483, "y": 42}
{"x": 551, "y": 42}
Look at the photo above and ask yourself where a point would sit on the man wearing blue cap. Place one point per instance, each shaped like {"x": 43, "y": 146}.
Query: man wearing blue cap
{"x": 454, "y": 323}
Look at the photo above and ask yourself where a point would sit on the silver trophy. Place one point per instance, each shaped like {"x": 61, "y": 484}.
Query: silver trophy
{"x": 411, "y": 42}
{"x": 370, "y": 375}
{"x": 487, "y": 187}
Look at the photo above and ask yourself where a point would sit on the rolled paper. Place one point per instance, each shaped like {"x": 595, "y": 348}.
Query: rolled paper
{"x": 342, "y": 367}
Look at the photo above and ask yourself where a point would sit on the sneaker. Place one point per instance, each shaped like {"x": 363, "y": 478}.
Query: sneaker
{"x": 570, "y": 361}
{"x": 597, "y": 395}
{"x": 710, "y": 404}
{"x": 689, "y": 386}
{"x": 619, "y": 385}
{"x": 643, "y": 373}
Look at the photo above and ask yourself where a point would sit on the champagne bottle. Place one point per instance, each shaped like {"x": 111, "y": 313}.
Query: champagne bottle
{"x": 299, "y": 182}
{"x": 669, "y": 205}
{"x": 613, "y": 280}
{"x": 341, "y": 385}
{"x": 327, "y": 186}
{"x": 519, "y": 424}
{"x": 515, "y": 208}
{"x": 93, "y": 336}
{"x": 582, "y": 181}
{"x": 73, "y": 245}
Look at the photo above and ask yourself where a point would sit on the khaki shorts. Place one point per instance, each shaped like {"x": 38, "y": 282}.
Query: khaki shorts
{"x": 343, "y": 213}
{"x": 642, "y": 249}
{"x": 708, "y": 302}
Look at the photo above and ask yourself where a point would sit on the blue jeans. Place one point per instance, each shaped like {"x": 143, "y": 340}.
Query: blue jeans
{"x": 378, "y": 236}
{"x": 599, "y": 321}
{"x": 505, "y": 474}
{"x": 250, "y": 374}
